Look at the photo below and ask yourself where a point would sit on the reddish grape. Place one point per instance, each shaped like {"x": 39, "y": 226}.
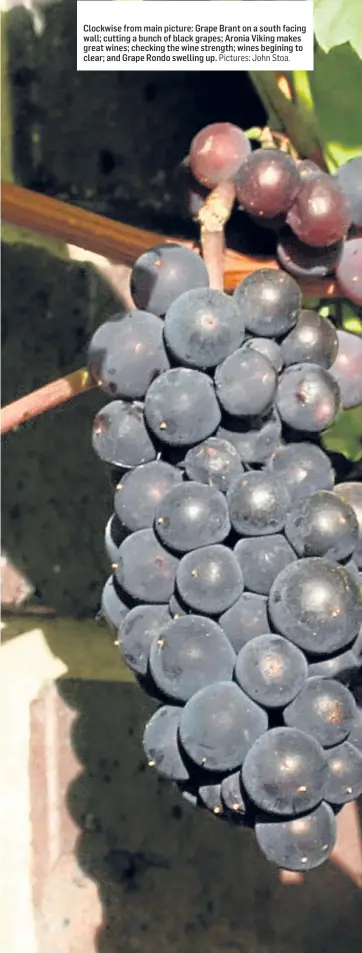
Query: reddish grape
{"x": 217, "y": 152}
{"x": 349, "y": 270}
{"x": 302, "y": 261}
{"x": 319, "y": 215}
{"x": 267, "y": 183}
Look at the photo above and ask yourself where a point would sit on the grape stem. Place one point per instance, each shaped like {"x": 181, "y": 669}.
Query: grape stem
{"x": 212, "y": 217}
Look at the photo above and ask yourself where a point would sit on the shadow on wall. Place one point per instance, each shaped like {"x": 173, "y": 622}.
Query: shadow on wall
{"x": 171, "y": 878}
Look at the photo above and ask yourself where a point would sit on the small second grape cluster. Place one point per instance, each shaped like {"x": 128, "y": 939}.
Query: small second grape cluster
{"x": 236, "y": 561}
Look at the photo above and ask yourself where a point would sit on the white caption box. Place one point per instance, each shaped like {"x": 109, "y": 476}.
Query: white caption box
{"x": 193, "y": 36}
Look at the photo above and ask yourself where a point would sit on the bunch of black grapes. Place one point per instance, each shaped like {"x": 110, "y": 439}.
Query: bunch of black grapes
{"x": 235, "y": 586}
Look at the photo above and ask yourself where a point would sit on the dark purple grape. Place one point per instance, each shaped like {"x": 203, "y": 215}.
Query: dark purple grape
{"x": 340, "y": 667}
{"x": 303, "y": 468}
{"x": 324, "y": 709}
{"x": 349, "y": 270}
{"x": 160, "y": 743}
{"x": 351, "y": 493}
{"x": 146, "y": 571}
{"x": 190, "y": 653}
{"x": 269, "y": 301}
{"x": 261, "y": 559}
{"x": 181, "y": 408}
{"x": 267, "y": 183}
{"x": 162, "y": 273}
{"x": 285, "y": 771}
{"x": 322, "y": 525}
{"x": 254, "y": 438}
{"x": 231, "y": 794}
{"x": 271, "y": 670}
{"x": 245, "y": 383}
{"x": 302, "y": 843}
{"x": 317, "y": 605}
{"x": 140, "y": 492}
{"x": 349, "y": 176}
{"x": 269, "y": 348}
{"x": 347, "y": 369}
{"x": 202, "y": 327}
{"x": 114, "y": 535}
{"x": 258, "y": 504}
{"x": 210, "y": 797}
{"x": 209, "y": 580}
{"x": 218, "y": 726}
{"x": 127, "y": 353}
{"x": 136, "y": 633}
{"x": 192, "y": 515}
{"x": 214, "y": 462}
{"x": 246, "y": 619}
{"x": 303, "y": 261}
{"x": 319, "y": 215}
{"x": 313, "y": 340}
{"x": 307, "y": 397}
{"x": 216, "y": 153}
{"x": 120, "y": 437}
{"x": 113, "y": 610}
{"x": 344, "y": 780}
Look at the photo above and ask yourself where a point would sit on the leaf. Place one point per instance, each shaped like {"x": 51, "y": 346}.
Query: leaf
{"x": 338, "y": 21}
{"x": 336, "y": 85}
{"x": 345, "y": 435}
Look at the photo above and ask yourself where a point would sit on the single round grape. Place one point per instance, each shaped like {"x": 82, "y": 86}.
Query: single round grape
{"x": 114, "y": 535}
{"x": 181, "y": 408}
{"x": 307, "y": 397}
{"x": 192, "y": 515}
{"x": 304, "y": 468}
{"x": 162, "y": 273}
{"x": 340, "y": 667}
{"x": 313, "y": 340}
{"x": 146, "y": 571}
{"x": 217, "y": 152}
{"x": 319, "y": 215}
{"x": 303, "y": 261}
{"x": 299, "y": 844}
{"x": 317, "y": 605}
{"x": 261, "y": 559}
{"x": 344, "y": 780}
{"x": 347, "y": 369}
{"x": 351, "y": 493}
{"x": 322, "y": 525}
{"x": 254, "y": 438}
{"x": 112, "y": 609}
{"x": 136, "y": 633}
{"x": 202, "y": 327}
{"x": 160, "y": 743}
{"x": 127, "y": 353}
{"x": 269, "y": 348}
{"x": 324, "y": 709}
{"x": 258, "y": 504}
{"x": 245, "y": 620}
{"x": 218, "y": 726}
{"x": 190, "y": 653}
{"x": 267, "y": 183}
{"x": 140, "y": 492}
{"x": 285, "y": 771}
{"x": 271, "y": 670}
{"x": 231, "y": 795}
{"x": 215, "y": 462}
{"x": 269, "y": 301}
{"x": 349, "y": 270}
{"x": 120, "y": 437}
{"x": 245, "y": 383}
{"x": 209, "y": 580}
{"x": 210, "y": 797}
{"x": 349, "y": 176}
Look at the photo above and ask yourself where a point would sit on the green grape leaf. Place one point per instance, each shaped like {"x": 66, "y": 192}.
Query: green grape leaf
{"x": 345, "y": 435}
{"x": 338, "y": 21}
{"x": 336, "y": 84}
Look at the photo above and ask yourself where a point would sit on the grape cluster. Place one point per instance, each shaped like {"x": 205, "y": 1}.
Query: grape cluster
{"x": 235, "y": 579}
